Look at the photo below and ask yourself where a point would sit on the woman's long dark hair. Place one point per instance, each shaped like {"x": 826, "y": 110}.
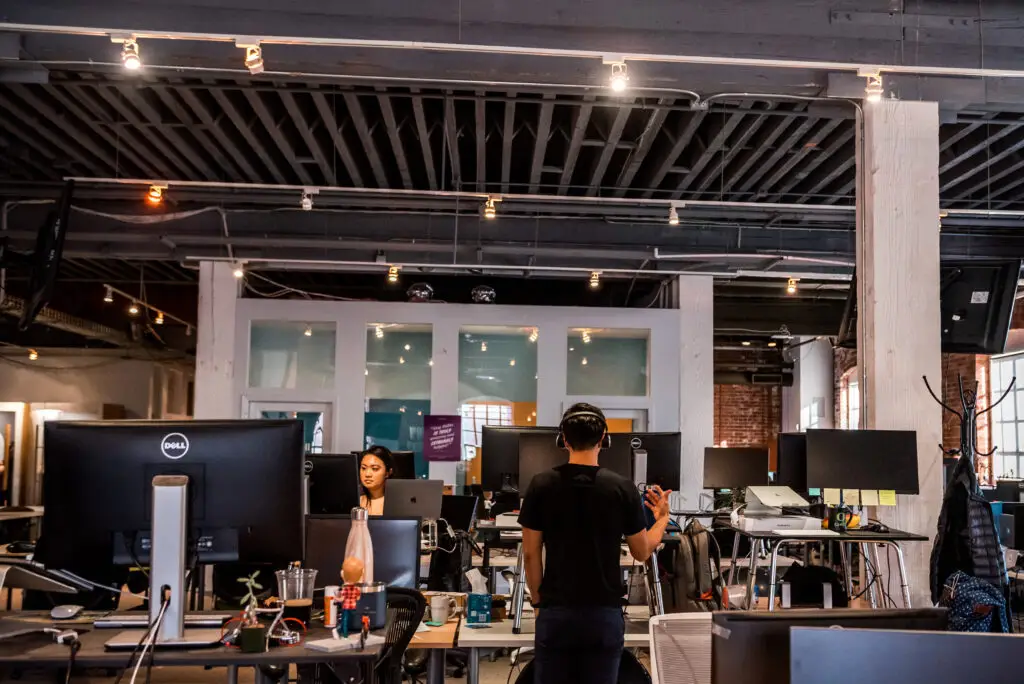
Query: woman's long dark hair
{"x": 384, "y": 454}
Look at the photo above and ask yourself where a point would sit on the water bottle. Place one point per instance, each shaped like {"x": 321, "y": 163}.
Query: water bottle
{"x": 359, "y": 544}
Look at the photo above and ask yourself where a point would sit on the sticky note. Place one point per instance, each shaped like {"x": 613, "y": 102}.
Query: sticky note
{"x": 869, "y": 497}
{"x": 832, "y": 497}
{"x": 813, "y": 492}
{"x": 851, "y": 497}
{"x": 886, "y": 497}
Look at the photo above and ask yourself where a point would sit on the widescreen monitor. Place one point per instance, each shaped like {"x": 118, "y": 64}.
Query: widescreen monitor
{"x": 735, "y": 467}
{"x": 863, "y": 459}
{"x": 664, "y": 455}
{"x": 538, "y": 452}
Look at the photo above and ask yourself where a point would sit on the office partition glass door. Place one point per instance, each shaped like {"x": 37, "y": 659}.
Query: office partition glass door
{"x": 315, "y": 417}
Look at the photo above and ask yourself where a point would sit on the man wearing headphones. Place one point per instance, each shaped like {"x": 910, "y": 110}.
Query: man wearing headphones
{"x": 579, "y": 514}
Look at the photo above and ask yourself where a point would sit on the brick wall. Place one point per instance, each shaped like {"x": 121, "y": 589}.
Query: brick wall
{"x": 845, "y": 360}
{"x": 748, "y": 415}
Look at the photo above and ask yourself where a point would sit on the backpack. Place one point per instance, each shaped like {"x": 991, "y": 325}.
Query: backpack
{"x": 974, "y": 605}
{"x": 691, "y": 572}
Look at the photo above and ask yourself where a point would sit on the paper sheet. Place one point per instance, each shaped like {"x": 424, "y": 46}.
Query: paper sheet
{"x": 886, "y": 497}
{"x": 869, "y": 497}
{"x": 832, "y": 497}
{"x": 851, "y": 497}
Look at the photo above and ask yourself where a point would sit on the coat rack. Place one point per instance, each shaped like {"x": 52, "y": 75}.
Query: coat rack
{"x": 968, "y": 418}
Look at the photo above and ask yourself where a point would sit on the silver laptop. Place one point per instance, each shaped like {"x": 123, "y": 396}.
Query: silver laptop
{"x": 413, "y": 499}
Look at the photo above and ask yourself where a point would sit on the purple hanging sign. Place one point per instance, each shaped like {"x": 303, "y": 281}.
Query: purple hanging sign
{"x": 442, "y": 438}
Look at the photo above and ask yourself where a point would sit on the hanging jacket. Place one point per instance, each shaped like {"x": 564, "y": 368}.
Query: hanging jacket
{"x": 967, "y": 540}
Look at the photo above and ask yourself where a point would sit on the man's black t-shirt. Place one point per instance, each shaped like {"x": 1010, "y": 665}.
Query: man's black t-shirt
{"x": 583, "y": 513}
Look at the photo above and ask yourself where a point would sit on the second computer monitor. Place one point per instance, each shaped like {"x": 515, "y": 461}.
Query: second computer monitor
{"x": 333, "y": 483}
{"x": 396, "y": 549}
{"x": 664, "y": 453}
{"x": 538, "y": 453}
{"x": 863, "y": 459}
{"x": 499, "y": 454}
{"x": 735, "y": 467}
{"x": 791, "y": 466}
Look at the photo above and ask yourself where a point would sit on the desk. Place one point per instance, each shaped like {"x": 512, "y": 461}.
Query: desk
{"x": 40, "y": 651}
{"x": 774, "y": 542}
{"x": 501, "y": 635}
{"x": 8, "y": 516}
{"x": 437, "y": 640}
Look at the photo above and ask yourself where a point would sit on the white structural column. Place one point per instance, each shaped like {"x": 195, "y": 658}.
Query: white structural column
{"x": 809, "y": 402}
{"x": 695, "y": 300}
{"x": 898, "y": 303}
{"x": 215, "y": 342}
{"x": 444, "y": 388}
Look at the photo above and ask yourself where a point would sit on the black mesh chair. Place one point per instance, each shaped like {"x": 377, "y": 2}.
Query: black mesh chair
{"x": 405, "y": 612}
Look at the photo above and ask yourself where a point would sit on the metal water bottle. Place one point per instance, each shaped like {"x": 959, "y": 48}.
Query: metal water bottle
{"x": 359, "y": 544}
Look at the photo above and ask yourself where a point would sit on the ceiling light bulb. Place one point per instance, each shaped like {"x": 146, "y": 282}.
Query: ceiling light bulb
{"x": 392, "y": 275}
{"x": 155, "y": 195}
{"x": 595, "y": 280}
{"x": 379, "y": 332}
{"x": 366, "y": 372}
{"x": 529, "y": 419}
{"x": 401, "y": 359}
{"x": 419, "y": 413}
{"x": 585, "y": 337}
{"x": 673, "y": 216}
{"x": 108, "y": 296}
{"x": 584, "y": 361}
{"x": 745, "y": 343}
{"x": 254, "y": 59}
{"x": 511, "y": 362}
{"x": 874, "y": 90}
{"x": 33, "y": 355}
{"x": 791, "y": 286}
{"x": 133, "y": 309}
{"x": 483, "y": 346}
{"x": 239, "y": 273}
{"x": 159, "y": 318}
{"x": 534, "y": 335}
{"x": 130, "y": 55}
{"x": 308, "y": 332}
{"x": 620, "y": 77}
{"x": 401, "y": 409}
{"x": 430, "y": 362}
{"x": 408, "y": 347}
{"x": 772, "y": 344}
{"x": 307, "y": 202}
{"x": 490, "y": 210}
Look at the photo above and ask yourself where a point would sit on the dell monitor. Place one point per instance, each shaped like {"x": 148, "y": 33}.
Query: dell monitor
{"x": 863, "y": 459}
{"x": 735, "y": 467}
{"x": 396, "y": 549}
{"x": 791, "y": 466}
{"x": 751, "y": 647}
{"x": 405, "y": 465}
{"x": 244, "y": 491}
{"x": 333, "y": 483}
{"x": 459, "y": 511}
{"x": 664, "y": 454}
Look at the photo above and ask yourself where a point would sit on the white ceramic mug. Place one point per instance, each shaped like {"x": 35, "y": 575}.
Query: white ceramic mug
{"x": 441, "y": 608}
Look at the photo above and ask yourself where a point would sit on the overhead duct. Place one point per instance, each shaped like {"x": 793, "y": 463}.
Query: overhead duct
{"x": 770, "y": 379}
{"x": 15, "y": 306}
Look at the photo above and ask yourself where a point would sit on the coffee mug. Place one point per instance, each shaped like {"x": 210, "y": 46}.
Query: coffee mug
{"x": 441, "y": 608}
{"x": 840, "y": 519}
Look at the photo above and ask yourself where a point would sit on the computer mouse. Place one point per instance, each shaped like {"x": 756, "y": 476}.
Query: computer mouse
{"x": 67, "y": 612}
{"x": 21, "y": 547}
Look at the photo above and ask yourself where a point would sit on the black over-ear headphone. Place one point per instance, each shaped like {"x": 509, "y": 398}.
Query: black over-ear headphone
{"x": 606, "y": 441}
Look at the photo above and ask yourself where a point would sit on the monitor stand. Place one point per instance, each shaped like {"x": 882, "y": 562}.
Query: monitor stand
{"x": 167, "y": 572}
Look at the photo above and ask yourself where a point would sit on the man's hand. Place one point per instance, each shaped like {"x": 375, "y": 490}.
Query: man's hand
{"x": 657, "y": 501}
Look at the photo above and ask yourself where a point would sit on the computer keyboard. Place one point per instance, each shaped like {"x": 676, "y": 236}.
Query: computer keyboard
{"x": 141, "y": 620}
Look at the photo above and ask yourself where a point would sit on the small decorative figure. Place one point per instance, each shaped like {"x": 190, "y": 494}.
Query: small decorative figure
{"x": 364, "y": 632}
{"x": 348, "y": 595}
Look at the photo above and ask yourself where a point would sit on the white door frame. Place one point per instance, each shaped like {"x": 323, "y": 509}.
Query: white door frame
{"x": 254, "y": 409}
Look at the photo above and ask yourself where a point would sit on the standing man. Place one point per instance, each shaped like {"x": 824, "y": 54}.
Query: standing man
{"x": 579, "y": 513}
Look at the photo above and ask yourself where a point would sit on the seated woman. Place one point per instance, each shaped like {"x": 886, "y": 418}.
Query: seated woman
{"x": 376, "y": 465}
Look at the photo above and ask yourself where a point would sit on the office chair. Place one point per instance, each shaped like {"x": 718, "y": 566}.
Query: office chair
{"x": 405, "y": 612}
{"x": 681, "y": 648}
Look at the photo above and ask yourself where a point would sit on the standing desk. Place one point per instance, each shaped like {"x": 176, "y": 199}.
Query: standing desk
{"x": 775, "y": 541}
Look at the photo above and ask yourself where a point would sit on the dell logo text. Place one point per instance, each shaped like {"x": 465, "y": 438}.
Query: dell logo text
{"x": 174, "y": 446}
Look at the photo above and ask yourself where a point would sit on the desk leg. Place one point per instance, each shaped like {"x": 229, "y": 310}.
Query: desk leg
{"x": 771, "y": 576}
{"x": 435, "y": 666}
{"x": 847, "y": 568}
{"x": 735, "y": 552}
{"x": 904, "y": 584}
{"x": 655, "y": 601}
{"x": 752, "y": 575}
{"x": 519, "y": 593}
{"x": 473, "y": 667}
{"x": 232, "y": 674}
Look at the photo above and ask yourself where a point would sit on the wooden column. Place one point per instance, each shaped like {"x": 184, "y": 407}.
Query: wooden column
{"x": 898, "y": 301}
{"x": 215, "y": 342}
{"x": 695, "y": 301}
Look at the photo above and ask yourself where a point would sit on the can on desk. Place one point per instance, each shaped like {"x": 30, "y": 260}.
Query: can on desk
{"x": 330, "y": 607}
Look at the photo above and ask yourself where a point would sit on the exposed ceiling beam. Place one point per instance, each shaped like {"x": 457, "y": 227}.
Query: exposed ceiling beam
{"x": 246, "y": 132}
{"x": 729, "y": 125}
{"x": 816, "y": 161}
{"x": 810, "y": 147}
{"x": 40, "y": 129}
{"x": 451, "y": 134}
{"x": 395, "y": 137}
{"x": 480, "y": 112}
{"x": 540, "y": 143}
{"x": 686, "y": 129}
{"x": 306, "y": 133}
{"x": 206, "y": 141}
{"x": 340, "y": 146}
{"x": 507, "y": 135}
{"x": 610, "y": 144}
{"x": 636, "y": 157}
{"x": 214, "y": 129}
{"x": 423, "y": 133}
{"x": 270, "y": 126}
{"x": 798, "y": 132}
{"x": 579, "y": 130}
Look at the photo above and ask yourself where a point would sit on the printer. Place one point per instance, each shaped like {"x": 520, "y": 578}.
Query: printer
{"x": 764, "y": 510}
